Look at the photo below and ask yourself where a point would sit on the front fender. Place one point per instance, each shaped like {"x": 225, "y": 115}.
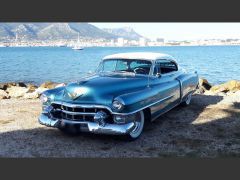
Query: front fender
{"x": 52, "y": 93}
{"x": 143, "y": 98}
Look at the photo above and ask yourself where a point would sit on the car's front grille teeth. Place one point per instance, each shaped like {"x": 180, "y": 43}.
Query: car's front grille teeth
{"x": 75, "y": 113}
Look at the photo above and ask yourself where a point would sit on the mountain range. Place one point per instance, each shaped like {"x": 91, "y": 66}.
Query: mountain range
{"x": 62, "y": 31}
{"x": 125, "y": 32}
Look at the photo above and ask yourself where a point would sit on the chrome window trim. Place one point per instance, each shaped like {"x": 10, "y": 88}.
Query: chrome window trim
{"x": 170, "y": 73}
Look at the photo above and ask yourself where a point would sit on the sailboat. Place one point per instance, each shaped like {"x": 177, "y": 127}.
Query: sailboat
{"x": 77, "y": 46}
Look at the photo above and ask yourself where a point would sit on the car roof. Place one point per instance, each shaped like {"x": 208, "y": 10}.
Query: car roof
{"x": 151, "y": 56}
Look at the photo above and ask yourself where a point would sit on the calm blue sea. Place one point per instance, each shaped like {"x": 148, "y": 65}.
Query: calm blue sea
{"x": 62, "y": 64}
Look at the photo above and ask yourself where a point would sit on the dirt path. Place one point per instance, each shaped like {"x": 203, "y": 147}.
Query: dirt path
{"x": 209, "y": 127}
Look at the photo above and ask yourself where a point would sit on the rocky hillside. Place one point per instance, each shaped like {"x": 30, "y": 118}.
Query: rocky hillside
{"x": 125, "y": 32}
{"x": 58, "y": 31}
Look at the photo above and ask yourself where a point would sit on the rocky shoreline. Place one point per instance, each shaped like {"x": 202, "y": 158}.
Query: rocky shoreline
{"x": 23, "y": 90}
{"x": 227, "y": 88}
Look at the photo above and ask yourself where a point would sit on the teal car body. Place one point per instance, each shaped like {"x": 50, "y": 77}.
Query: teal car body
{"x": 106, "y": 101}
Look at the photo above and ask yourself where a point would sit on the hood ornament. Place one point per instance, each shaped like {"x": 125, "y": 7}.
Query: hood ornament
{"x": 76, "y": 93}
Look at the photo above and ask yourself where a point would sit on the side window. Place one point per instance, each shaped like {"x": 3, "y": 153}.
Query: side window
{"x": 142, "y": 65}
{"x": 109, "y": 65}
{"x": 121, "y": 65}
{"x": 167, "y": 66}
{"x": 134, "y": 64}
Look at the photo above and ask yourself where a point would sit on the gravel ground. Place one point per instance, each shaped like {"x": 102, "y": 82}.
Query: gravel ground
{"x": 209, "y": 127}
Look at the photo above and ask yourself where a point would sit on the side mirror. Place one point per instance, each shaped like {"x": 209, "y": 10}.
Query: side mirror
{"x": 89, "y": 72}
{"x": 158, "y": 75}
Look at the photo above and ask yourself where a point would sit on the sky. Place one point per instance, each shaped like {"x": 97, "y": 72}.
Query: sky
{"x": 180, "y": 31}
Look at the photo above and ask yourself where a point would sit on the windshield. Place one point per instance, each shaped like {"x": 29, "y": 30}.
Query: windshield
{"x": 125, "y": 66}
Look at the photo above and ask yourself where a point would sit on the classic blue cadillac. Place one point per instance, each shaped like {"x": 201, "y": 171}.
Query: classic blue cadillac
{"x": 126, "y": 91}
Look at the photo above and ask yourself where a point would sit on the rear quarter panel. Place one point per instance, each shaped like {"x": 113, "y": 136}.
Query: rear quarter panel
{"x": 189, "y": 83}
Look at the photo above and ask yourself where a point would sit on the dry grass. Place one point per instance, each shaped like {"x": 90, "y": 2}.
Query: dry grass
{"x": 209, "y": 127}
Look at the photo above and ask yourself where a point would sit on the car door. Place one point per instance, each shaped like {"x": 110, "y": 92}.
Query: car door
{"x": 167, "y": 86}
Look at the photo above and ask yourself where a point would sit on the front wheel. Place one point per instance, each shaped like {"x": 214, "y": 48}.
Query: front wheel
{"x": 139, "y": 125}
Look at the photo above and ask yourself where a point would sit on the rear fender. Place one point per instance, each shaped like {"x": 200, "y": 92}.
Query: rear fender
{"x": 188, "y": 84}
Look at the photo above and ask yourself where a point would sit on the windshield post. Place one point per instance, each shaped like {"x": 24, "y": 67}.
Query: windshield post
{"x": 149, "y": 74}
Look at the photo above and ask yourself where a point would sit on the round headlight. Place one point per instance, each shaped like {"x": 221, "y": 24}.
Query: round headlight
{"x": 117, "y": 105}
{"x": 43, "y": 98}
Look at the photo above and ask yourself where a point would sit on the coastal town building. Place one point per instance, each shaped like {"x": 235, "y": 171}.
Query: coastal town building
{"x": 119, "y": 42}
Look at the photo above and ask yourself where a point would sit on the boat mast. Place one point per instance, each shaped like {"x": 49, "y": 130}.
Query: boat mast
{"x": 78, "y": 38}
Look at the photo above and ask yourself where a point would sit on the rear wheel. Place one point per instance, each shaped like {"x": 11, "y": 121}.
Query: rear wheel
{"x": 139, "y": 125}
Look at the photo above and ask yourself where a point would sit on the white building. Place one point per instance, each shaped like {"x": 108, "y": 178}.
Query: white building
{"x": 112, "y": 42}
{"x": 120, "y": 42}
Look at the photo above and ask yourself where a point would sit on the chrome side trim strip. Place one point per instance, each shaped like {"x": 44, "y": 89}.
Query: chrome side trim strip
{"x": 161, "y": 100}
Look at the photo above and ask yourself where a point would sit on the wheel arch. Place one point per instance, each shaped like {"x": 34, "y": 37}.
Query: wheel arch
{"x": 147, "y": 114}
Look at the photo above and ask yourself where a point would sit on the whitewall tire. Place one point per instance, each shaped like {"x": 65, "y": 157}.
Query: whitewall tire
{"x": 139, "y": 125}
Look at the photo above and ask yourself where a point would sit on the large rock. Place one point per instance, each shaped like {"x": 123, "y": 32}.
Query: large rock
{"x": 31, "y": 88}
{"x": 21, "y": 84}
{"x": 32, "y": 95}
{"x": 3, "y": 94}
{"x": 40, "y": 90}
{"x": 204, "y": 85}
{"x": 231, "y": 86}
{"x": 3, "y": 86}
{"x": 16, "y": 91}
{"x": 49, "y": 85}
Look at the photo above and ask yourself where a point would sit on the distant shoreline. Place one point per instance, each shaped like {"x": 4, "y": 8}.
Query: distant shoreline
{"x": 55, "y": 46}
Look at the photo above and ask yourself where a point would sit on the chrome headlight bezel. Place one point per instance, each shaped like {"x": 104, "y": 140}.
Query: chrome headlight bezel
{"x": 117, "y": 105}
{"x": 44, "y": 98}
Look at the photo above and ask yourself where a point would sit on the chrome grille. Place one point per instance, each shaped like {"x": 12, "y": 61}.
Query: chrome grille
{"x": 74, "y": 112}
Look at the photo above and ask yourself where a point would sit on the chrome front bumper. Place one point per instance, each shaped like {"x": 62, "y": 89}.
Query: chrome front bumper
{"x": 113, "y": 129}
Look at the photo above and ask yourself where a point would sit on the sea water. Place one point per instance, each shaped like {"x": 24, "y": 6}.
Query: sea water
{"x": 62, "y": 64}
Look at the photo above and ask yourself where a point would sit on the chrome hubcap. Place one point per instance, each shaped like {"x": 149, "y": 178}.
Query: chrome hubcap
{"x": 139, "y": 123}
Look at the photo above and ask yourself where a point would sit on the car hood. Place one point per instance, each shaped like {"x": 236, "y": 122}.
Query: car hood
{"x": 101, "y": 89}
